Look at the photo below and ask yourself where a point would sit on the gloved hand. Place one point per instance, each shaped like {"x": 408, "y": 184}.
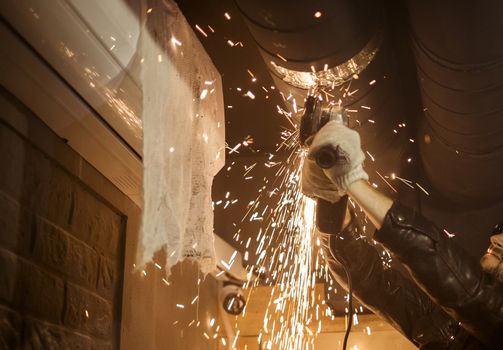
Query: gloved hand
{"x": 492, "y": 261}
{"x": 316, "y": 184}
{"x": 341, "y": 175}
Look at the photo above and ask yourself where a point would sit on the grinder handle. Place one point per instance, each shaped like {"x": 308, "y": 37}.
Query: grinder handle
{"x": 330, "y": 216}
{"x": 326, "y": 157}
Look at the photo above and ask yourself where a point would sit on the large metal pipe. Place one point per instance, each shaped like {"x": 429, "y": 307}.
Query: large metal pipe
{"x": 342, "y": 48}
{"x": 459, "y": 58}
{"x": 301, "y": 34}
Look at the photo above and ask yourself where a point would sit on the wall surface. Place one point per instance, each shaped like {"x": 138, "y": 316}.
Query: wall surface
{"x": 158, "y": 316}
{"x": 61, "y": 246}
{"x": 68, "y": 236}
{"x": 67, "y": 242}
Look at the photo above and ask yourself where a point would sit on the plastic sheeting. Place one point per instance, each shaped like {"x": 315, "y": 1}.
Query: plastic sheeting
{"x": 183, "y": 139}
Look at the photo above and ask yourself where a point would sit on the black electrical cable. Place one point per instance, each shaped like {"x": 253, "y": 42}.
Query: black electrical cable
{"x": 350, "y": 298}
{"x": 350, "y": 306}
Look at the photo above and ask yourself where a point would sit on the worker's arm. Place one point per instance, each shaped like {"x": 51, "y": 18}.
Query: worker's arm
{"x": 374, "y": 203}
{"x": 387, "y": 292}
{"x": 346, "y": 177}
{"x": 447, "y": 274}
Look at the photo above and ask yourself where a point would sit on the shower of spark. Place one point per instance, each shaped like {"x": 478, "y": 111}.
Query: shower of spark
{"x": 285, "y": 256}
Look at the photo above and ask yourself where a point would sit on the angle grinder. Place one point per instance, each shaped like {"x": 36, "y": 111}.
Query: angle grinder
{"x": 329, "y": 216}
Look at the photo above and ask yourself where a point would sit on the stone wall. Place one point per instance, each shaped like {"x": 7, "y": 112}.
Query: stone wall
{"x": 61, "y": 245}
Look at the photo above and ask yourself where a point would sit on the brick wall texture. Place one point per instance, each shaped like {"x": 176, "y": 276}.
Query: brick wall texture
{"x": 61, "y": 253}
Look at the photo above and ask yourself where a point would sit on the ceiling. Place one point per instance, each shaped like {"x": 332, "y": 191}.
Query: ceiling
{"x": 441, "y": 190}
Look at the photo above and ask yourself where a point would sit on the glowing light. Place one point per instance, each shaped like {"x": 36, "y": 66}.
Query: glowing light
{"x": 333, "y": 76}
{"x": 290, "y": 259}
{"x": 235, "y": 339}
{"x": 281, "y": 57}
{"x": 422, "y": 189}
{"x": 371, "y": 156}
{"x": 317, "y": 14}
{"x": 175, "y": 41}
{"x": 450, "y": 235}
{"x": 201, "y": 31}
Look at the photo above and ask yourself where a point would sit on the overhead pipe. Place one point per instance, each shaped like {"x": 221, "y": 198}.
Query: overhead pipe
{"x": 297, "y": 38}
{"x": 310, "y": 33}
{"x": 341, "y": 48}
{"x": 459, "y": 58}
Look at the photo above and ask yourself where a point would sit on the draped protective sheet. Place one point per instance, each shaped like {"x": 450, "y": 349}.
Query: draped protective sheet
{"x": 183, "y": 139}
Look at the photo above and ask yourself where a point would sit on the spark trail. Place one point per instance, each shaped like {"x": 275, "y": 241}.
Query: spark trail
{"x": 287, "y": 255}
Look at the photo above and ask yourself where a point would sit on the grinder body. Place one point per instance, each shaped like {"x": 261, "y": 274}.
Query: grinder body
{"x": 329, "y": 216}
{"x": 314, "y": 118}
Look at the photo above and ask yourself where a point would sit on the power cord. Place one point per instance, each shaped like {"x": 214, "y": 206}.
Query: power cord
{"x": 350, "y": 306}
{"x": 343, "y": 262}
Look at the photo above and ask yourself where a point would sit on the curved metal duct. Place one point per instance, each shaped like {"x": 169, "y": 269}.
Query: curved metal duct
{"x": 341, "y": 48}
{"x": 459, "y": 58}
{"x": 310, "y": 33}
{"x": 298, "y": 38}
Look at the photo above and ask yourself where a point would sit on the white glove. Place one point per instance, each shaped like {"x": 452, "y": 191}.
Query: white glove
{"x": 341, "y": 175}
{"x": 492, "y": 261}
{"x": 316, "y": 184}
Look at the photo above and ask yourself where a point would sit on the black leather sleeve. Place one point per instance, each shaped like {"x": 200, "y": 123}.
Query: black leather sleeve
{"x": 389, "y": 294}
{"x": 447, "y": 274}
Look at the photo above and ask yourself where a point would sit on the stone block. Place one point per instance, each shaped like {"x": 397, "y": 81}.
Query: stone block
{"x": 88, "y": 312}
{"x": 60, "y": 251}
{"x": 101, "y": 345}
{"x": 41, "y": 293}
{"x": 77, "y": 341}
{"x": 39, "y": 335}
{"x": 96, "y": 223}
{"x": 12, "y": 158}
{"x": 10, "y": 269}
{"x": 15, "y": 225}
{"x": 34, "y": 180}
{"x": 107, "y": 276}
{"x": 37, "y": 170}
{"x": 29, "y": 289}
{"x": 55, "y": 199}
{"x": 51, "y": 230}
{"x": 10, "y": 329}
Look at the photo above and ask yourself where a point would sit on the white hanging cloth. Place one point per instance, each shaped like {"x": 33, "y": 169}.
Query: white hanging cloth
{"x": 183, "y": 140}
